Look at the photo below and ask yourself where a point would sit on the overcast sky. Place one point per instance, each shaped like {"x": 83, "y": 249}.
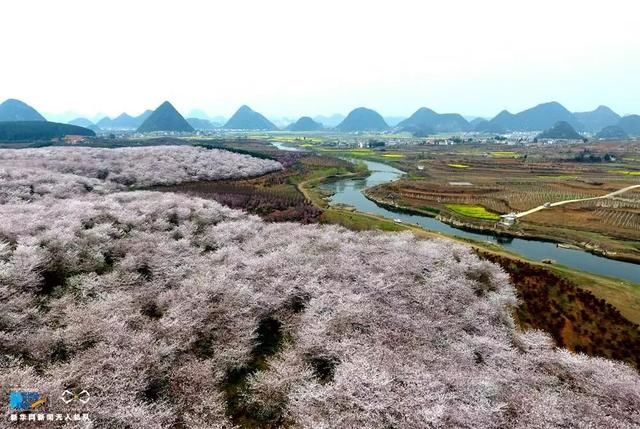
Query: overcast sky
{"x": 296, "y": 57}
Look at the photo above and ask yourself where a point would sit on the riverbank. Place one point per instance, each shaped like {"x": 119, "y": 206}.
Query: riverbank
{"x": 350, "y": 189}
{"x": 624, "y": 296}
{"x": 501, "y": 232}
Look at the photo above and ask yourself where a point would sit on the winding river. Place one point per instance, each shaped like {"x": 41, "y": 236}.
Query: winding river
{"x": 349, "y": 191}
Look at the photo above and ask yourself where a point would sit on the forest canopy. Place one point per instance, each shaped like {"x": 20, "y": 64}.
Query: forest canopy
{"x": 39, "y": 130}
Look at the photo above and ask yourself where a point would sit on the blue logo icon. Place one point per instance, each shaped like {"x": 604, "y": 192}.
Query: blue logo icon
{"x": 25, "y": 400}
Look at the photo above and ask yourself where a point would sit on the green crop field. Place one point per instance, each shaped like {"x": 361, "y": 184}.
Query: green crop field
{"x": 475, "y": 211}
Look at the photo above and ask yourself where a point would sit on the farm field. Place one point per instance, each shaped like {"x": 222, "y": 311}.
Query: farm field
{"x": 445, "y": 181}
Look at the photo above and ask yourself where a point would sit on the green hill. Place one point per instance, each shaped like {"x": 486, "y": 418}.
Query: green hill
{"x": 562, "y": 131}
{"x": 247, "y": 119}
{"x": 612, "y": 132}
{"x": 427, "y": 119}
{"x": 39, "y": 130}
{"x": 363, "y": 119}
{"x": 16, "y": 110}
{"x": 305, "y": 123}
{"x": 503, "y": 121}
{"x": 165, "y": 118}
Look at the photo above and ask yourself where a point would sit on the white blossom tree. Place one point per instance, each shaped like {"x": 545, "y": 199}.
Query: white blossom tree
{"x": 175, "y": 311}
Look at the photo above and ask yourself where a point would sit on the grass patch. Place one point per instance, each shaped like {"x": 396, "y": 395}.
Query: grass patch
{"x": 505, "y": 154}
{"x": 361, "y": 152}
{"x": 473, "y": 211}
{"x": 393, "y": 155}
{"x": 625, "y": 172}
{"x": 359, "y": 222}
{"x": 457, "y": 166}
{"x": 559, "y": 177}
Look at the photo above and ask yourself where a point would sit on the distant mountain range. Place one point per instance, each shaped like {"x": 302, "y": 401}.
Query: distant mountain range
{"x": 540, "y": 117}
{"x": 561, "y": 130}
{"x": 281, "y": 121}
{"x": 305, "y": 123}
{"x": 201, "y": 124}
{"x": 631, "y": 125}
{"x": 82, "y": 122}
{"x": 16, "y": 110}
{"x": 545, "y": 116}
{"x": 598, "y": 119}
{"x": 392, "y": 121}
{"x": 123, "y": 122}
{"x": 86, "y": 123}
{"x": 247, "y": 119}
{"x": 329, "y": 121}
{"x": 165, "y": 118}
{"x": 39, "y": 130}
{"x": 363, "y": 119}
{"x": 423, "y": 122}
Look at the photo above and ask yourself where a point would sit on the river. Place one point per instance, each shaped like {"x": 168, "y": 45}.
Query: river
{"x": 349, "y": 191}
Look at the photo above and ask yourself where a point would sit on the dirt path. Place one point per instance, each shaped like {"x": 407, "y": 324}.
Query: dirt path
{"x": 560, "y": 203}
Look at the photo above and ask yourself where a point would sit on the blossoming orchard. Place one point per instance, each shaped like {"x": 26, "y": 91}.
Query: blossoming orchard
{"x": 177, "y": 312}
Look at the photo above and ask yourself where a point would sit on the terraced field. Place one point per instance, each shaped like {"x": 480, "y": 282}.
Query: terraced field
{"x": 500, "y": 182}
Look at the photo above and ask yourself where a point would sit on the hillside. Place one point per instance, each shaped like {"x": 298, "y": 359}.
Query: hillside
{"x": 561, "y": 131}
{"x": 305, "y": 123}
{"x": 165, "y": 118}
{"x": 247, "y": 119}
{"x": 363, "y": 119}
{"x": 39, "y": 130}
{"x": 201, "y": 124}
{"x": 15, "y": 110}
{"x": 491, "y": 127}
{"x": 477, "y": 122}
{"x": 540, "y": 117}
{"x": 502, "y": 122}
{"x": 211, "y": 318}
{"x": 544, "y": 116}
{"x": 631, "y": 125}
{"x": 613, "y": 132}
{"x": 598, "y": 119}
{"x": 427, "y": 119}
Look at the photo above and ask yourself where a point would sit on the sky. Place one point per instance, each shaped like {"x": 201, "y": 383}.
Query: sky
{"x": 296, "y": 57}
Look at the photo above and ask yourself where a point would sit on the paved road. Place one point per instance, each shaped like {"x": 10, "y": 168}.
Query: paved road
{"x": 560, "y": 203}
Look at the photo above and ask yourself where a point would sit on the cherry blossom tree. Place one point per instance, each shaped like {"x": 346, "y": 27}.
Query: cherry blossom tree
{"x": 175, "y": 311}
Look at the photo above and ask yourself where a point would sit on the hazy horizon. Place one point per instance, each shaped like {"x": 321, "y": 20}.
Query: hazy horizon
{"x": 286, "y": 59}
